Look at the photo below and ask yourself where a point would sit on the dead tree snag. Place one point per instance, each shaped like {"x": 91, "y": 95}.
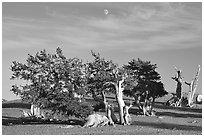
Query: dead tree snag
{"x": 179, "y": 80}
{"x": 192, "y": 87}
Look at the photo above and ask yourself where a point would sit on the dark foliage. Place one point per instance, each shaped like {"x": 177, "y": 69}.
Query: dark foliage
{"x": 147, "y": 79}
{"x": 51, "y": 81}
{"x": 99, "y": 106}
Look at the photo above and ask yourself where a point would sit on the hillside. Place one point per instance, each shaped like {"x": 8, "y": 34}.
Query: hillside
{"x": 169, "y": 121}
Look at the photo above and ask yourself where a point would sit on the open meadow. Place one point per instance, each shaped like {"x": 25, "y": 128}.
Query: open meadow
{"x": 169, "y": 121}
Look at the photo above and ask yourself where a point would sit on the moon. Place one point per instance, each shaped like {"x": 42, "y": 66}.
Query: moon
{"x": 106, "y": 12}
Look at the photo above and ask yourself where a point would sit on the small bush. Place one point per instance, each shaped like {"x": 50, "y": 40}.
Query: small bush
{"x": 68, "y": 106}
{"x": 82, "y": 110}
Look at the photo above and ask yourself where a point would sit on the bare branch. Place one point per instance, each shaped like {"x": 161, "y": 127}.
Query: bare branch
{"x": 110, "y": 82}
{"x": 176, "y": 68}
{"x": 187, "y": 83}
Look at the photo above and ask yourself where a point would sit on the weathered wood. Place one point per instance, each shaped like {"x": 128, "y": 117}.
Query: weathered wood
{"x": 36, "y": 111}
{"x": 179, "y": 80}
{"x": 127, "y": 117}
{"x": 192, "y": 87}
{"x": 109, "y": 109}
{"x": 119, "y": 98}
{"x": 96, "y": 120}
{"x": 147, "y": 105}
{"x": 109, "y": 113}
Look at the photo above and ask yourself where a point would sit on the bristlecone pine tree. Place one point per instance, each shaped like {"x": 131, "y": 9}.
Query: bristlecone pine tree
{"x": 51, "y": 81}
{"x": 148, "y": 84}
{"x": 107, "y": 76}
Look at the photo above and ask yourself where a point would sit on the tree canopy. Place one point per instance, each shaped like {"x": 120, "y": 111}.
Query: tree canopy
{"x": 52, "y": 79}
{"x": 149, "y": 85}
{"x": 100, "y": 72}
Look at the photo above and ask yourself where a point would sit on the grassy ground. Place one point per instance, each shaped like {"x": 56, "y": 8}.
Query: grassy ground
{"x": 169, "y": 120}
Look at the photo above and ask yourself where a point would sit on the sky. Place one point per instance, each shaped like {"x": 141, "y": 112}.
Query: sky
{"x": 167, "y": 34}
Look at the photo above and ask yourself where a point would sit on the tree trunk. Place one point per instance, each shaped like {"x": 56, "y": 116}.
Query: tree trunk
{"x": 153, "y": 100}
{"x": 137, "y": 101}
{"x": 104, "y": 98}
{"x": 109, "y": 110}
{"x": 105, "y": 102}
{"x": 32, "y": 109}
{"x": 178, "y": 79}
{"x": 178, "y": 89}
{"x": 192, "y": 87}
{"x": 35, "y": 111}
{"x": 146, "y": 105}
{"x": 127, "y": 117}
{"x": 119, "y": 98}
{"x": 152, "y": 105}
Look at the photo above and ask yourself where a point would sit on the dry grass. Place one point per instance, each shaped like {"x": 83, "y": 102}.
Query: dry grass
{"x": 185, "y": 121}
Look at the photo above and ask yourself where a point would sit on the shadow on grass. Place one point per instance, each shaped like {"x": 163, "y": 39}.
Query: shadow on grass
{"x": 8, "y": 121}
{"x": 16, "y": 105}
{"x": 136, "y": 111}
{"x": 167, "y": 126}
{"x": 183, "y": 115}
{"x": 161, "y": 105}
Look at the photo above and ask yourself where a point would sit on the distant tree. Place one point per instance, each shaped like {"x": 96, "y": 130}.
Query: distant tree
{"x": 148, "y": 84}
{"x": 51, "y": 82}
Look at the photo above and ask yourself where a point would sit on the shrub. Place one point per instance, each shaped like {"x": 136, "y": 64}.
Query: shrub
{"x": 51, "y": 81}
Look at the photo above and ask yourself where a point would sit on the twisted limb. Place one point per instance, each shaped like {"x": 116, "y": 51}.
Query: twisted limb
{"x": 127, "y": 118}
